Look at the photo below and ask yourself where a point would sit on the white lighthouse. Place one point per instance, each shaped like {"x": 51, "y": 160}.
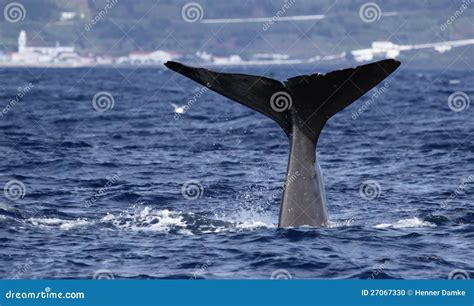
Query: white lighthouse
{"x": 22, "y": 42}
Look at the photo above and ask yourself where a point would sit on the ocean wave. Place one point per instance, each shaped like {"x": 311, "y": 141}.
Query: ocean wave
{"x": 178, "y": 222}
{"x": 152, "y": 220}
{"x": 57, "y": 222}
{"x": 340, "y": 223}
{"x": 406, "y": 223}
{"x": 147, "y": 219}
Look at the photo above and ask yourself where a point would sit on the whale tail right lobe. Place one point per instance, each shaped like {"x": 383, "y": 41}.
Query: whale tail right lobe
{"x": 318, "y": 97}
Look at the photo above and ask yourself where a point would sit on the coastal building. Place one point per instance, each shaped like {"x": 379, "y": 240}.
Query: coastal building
{"x": 149, "y": 58}
{"x": 378, "y": 49}
{"x": 388, "y": 49}
{"x": 44, "y": 55}
{"x": 67, "y": 16}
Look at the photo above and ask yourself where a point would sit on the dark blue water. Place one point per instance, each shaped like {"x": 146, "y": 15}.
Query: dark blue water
{"x": 100, "y": 194}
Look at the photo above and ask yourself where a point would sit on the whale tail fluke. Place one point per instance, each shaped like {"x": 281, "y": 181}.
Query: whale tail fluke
{"x": 301, "y": 106}
{"x": 307, "y": 100}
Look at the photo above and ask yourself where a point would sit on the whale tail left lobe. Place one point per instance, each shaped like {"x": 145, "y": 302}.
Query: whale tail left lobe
{"x": 252, "y": 91}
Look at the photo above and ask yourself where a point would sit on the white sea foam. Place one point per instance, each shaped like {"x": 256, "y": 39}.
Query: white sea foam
{"x": 249, "y": 225}
{"x": 56, "y": 222}
{"x": 148, "y": 219}
{"x": 248, "y": 219}
{"x": 406, "y": 223}
{"x": 340, "y": 223}
{"x": 163, "y": 220}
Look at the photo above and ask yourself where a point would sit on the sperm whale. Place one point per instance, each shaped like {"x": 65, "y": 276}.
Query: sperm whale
{"x": 301, "y": 106}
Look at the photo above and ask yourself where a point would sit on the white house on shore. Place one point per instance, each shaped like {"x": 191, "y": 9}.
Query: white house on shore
{"x": 148, "y": 58}
{"x": 381, "y": 49}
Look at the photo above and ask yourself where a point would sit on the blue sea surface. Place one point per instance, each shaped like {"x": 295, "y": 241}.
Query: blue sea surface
{"x": 126, "y": 188}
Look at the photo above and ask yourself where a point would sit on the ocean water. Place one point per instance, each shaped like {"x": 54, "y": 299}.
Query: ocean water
{"x": 126, "y": 188}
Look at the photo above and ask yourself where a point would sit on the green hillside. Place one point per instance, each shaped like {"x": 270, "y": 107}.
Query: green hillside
{"x": 149, "y": 25}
